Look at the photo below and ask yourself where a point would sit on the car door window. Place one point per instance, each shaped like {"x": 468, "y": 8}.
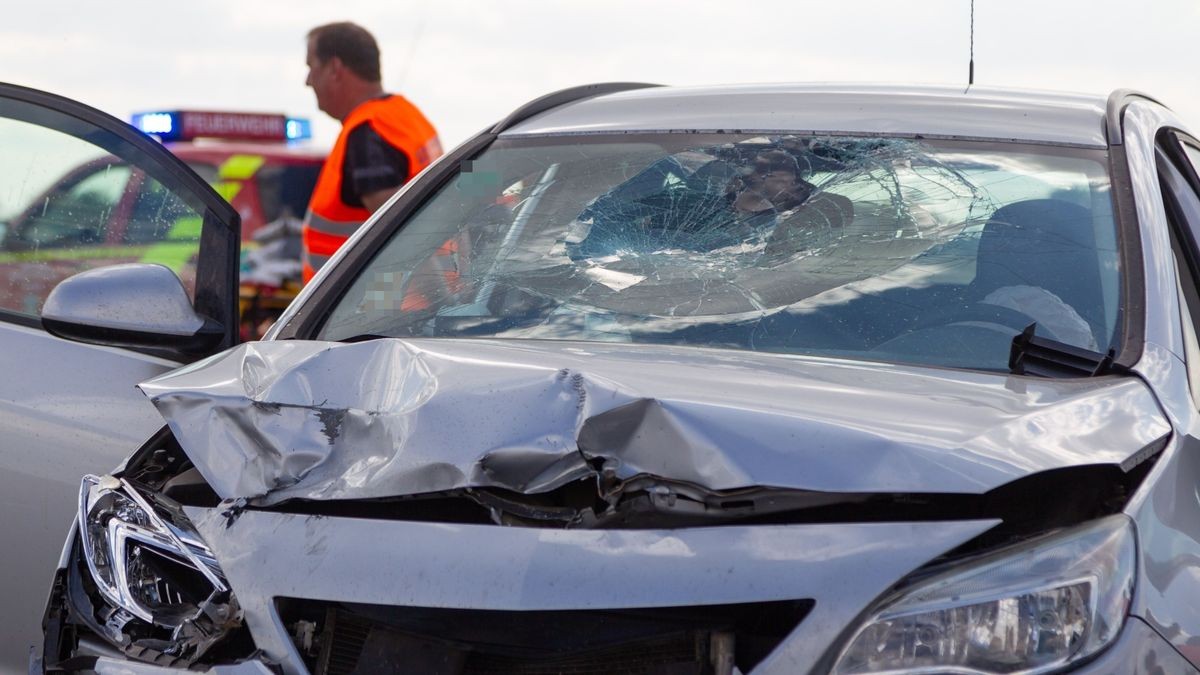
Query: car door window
{"x": 1183, "y": 210}
{"x": 76, "y": 211}
{"x": 68, "y": 205}
{"x": 1193, "y": 155}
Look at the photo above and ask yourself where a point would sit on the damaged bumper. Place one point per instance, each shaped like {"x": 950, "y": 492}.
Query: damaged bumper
{"x": 307, "y": 581}
{"x": 1139, "y": 651}
{"x": 424, "y": 566}
{"x": 358, "y": 593}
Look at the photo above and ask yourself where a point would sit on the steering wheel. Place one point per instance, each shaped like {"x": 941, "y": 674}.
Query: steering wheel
{"x": 979, "y": 313}
{"x": 977, "y": 333}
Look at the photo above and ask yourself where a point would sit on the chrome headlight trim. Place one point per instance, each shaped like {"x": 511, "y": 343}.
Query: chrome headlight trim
{"x": 142, "y": 526}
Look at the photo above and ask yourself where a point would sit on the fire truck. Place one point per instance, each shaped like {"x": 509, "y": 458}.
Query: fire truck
{"x": 262, "y": 165}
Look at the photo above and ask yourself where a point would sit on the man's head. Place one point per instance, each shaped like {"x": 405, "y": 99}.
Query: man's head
{"x": 775, "y": 172}
{"x": 343, "y": 67}
{"x": 772, "y": 182}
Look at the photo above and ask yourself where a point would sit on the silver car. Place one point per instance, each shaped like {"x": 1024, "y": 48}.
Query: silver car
{"x": 770, "y": 379}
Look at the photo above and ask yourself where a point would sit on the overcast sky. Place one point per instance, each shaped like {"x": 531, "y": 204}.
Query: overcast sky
{"x": 467, "y": 64}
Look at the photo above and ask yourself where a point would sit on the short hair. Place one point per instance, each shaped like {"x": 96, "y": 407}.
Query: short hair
{"x": 352, "y": 44}
{"x": 776, "y": 160}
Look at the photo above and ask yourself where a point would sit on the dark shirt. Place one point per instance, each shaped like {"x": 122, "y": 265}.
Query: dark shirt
{"x": 371, "y": 164}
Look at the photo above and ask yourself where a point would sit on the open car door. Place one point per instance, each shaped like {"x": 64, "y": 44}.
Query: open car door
{"x": 80, "y": 189}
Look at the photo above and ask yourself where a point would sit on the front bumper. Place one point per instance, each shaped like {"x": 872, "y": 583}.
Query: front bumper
{"x": 839, "y": 568}
{"x": 1139, "y": 651}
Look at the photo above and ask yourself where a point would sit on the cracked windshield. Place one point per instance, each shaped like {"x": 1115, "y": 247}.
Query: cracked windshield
{"x": 914, "y": 251}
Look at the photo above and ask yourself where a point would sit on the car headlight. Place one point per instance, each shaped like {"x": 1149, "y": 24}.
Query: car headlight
{"x": 148, "y": 562}
{"x": 1028, "y": 609}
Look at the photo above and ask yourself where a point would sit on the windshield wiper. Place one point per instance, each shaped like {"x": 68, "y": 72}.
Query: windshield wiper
{"x": 1043, "y": 357}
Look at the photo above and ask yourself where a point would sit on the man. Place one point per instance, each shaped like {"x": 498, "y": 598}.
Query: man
{"x": 384, "y": 141}
{"x": 773, "y": 183}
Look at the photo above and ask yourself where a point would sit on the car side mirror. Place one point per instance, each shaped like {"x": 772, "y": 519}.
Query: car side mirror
{"x": 132, "y": 305}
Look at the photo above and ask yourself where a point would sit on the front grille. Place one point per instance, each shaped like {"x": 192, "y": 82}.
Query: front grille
{"x": 355, "y": 638}
{"x": 345, "y": 637}
{"x": 683, "y": 653}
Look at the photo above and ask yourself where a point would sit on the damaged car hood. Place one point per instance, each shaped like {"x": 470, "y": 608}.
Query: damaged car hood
{"x": 270, "y": 421}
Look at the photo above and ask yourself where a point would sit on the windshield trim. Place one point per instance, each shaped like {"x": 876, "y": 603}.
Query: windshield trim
{"x": 809, "y": 133}
{"x": 1132, "y": 310}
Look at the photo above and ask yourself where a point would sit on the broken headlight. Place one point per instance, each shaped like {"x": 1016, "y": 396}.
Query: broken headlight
{"x": 1030, "y": 609}
{"x": 163, "y": 588}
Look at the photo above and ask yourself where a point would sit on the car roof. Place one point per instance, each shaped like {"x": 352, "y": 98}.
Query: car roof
{"x": 927, "y": 110}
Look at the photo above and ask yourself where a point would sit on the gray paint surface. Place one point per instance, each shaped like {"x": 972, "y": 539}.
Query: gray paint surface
{"x": 843, "y": 567}
{"x": 66, "y": 409}
{"x": 1168, "y": 522}
{"x": 1138, "y": 651}
{"x": 389, "y": 417}
{"x": 861, "y": 108}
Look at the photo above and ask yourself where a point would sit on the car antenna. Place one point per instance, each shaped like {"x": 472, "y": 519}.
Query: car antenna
{"x": 418, "y": 32}
{"x": 971, "y": 57}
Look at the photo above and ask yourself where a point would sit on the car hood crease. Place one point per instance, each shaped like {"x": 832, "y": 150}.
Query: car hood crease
{"x": 271, "y": 421}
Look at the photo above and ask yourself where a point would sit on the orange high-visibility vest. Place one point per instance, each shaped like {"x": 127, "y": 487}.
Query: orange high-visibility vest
{"x": 330, "y": 221}
{"x": 438, "y": 278}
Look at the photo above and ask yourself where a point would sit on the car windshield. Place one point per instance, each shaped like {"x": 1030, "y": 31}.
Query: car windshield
{"x": 896, "y": 249}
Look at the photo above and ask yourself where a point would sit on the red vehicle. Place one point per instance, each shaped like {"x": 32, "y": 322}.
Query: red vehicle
{"x": 102, "y": 211}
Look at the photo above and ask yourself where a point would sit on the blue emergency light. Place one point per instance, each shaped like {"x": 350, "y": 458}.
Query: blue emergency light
{"x": 298, "y": 129}
{"x": 187, "y": 125}
{"x": 158, "y": 124}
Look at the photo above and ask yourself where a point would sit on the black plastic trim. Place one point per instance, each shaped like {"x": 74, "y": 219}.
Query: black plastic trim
{"x": 218, "y": 269}
{"x": 1114, "y": 112}
{"x": 562, "y": 97}
{"x": 1133, "y": 279}
{"x": 1190, "y": 170}
{"x": 1043, "y": 357}
{"x": 9, "y": 316}
{"x": 178, "y": 347}
{"x": 54, "y": 622}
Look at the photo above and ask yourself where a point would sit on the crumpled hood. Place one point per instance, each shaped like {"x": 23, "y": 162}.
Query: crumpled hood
{"x": 271, "y": 421}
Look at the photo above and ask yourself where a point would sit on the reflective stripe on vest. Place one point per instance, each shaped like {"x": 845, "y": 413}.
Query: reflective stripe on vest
{"x": 330, "y": 221}
{"x": 312, "y": 262}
